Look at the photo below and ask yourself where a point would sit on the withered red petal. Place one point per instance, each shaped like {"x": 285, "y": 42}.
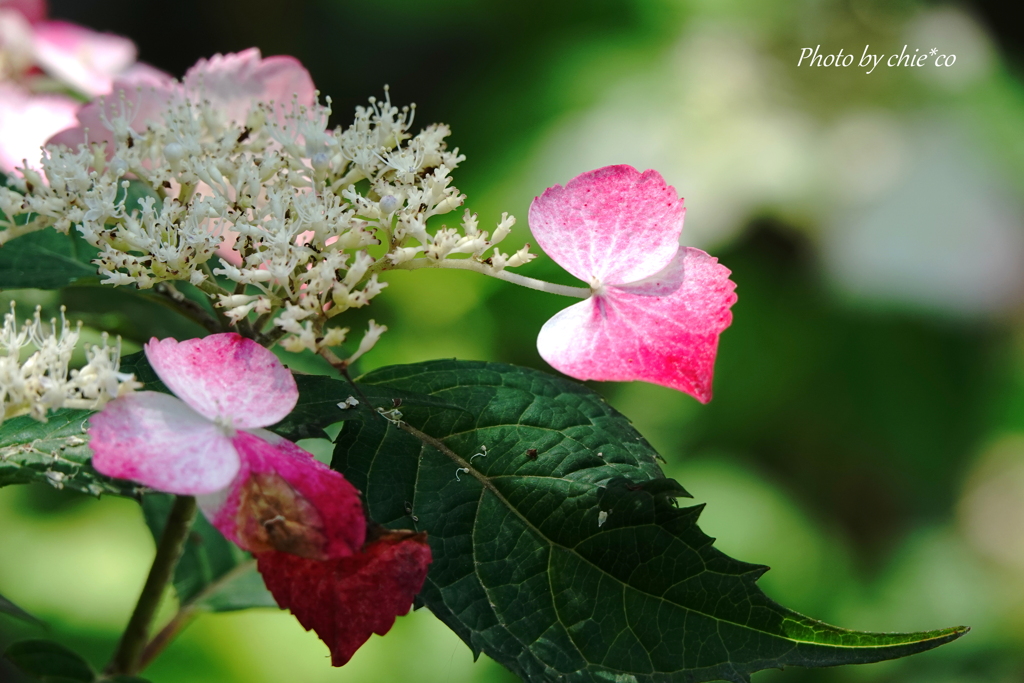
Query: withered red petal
{"x": 348, "y": 599}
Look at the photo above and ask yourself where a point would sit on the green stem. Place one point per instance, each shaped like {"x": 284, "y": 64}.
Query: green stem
{"x": 127, "y": 657}
{"x": 186, "y": 614}
{"x": 483, "y": 268}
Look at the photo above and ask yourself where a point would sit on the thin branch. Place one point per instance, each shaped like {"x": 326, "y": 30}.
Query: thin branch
{"x": 187, "y": 613}
{"x": 171, "y": 297}
{"x": 172, "y": 543}
{"x": 483, "y": 268}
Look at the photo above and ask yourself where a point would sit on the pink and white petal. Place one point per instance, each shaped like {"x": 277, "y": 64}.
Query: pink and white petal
{"x": 33, "y": 10}
{"x": 141, "y": 73}
{"x": 317, "y": 512}
{"x": 80, "y": 57}
{"x": 664, "y": 282}
{"x": 670, "y": 340}
{"x": 234, "y": 81}
{"x": 15, "y": 42}
{"x": 226, "y": 376}
{"x": 158, "y": 441}
{"x": 144, "y": 100}
{"x": 27, "y": 121}
{"x": 614, "y": 224}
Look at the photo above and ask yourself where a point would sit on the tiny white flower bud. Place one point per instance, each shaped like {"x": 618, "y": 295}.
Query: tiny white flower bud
{"x": 174, "y": 153}
{"x": 369, "y": 340}
{"x": 388, "y": 204}
{"x": 335, "y": 336}
{"x": 118, "y": 166}
{"x": 321, "y": 162}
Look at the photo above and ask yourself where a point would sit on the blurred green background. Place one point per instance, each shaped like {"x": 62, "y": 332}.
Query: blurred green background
{"x": 866, "y": 439}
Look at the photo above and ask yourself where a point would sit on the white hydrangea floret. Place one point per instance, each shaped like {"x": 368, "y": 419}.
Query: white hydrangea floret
{"x": 42, "y": 381}
{"x": 286, "y": 210}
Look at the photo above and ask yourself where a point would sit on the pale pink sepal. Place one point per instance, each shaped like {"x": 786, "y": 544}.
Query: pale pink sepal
{"x": 614, "y": 224}
{"x": 160, "y": 442}
{"x": 335, "y": 500}
{"x": 226, "y": 376}
{"x": 80, "y": 57}
{"x": 33, "y": 10}
{"x": 621, "y": 335}
{"x": 144, "y": 95}
{"x": 234, "y": 81}
{"x": 27, "y": 121}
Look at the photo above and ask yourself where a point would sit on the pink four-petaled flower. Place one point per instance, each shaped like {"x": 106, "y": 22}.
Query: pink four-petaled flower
{"x": 302, "y": 520}
{"x": 209, "y": 442}
{"x": 657, "y": 308}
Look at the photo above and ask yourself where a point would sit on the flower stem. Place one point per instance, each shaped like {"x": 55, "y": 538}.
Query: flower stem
{"x": 127, "y": 657}
{"x": 514, "y": 278}
{"x": 187, "y": 613}
{"x": 171, "y": 297}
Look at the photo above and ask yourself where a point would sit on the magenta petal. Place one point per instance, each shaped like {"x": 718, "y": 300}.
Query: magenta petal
{"x": 85, "y": 59}
{"x": 615, "y": 224}
{"x": 234, "y": 81}
{"x": 27, "y": 121}
{"x": 226, "y": 376}
{"x": 160, "y": 442}
{"x": 323, "y": 510}
{"x": 669, "y": 340}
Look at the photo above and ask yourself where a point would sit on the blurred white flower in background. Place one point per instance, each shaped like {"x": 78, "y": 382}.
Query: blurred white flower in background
{"x": 709, "y": 118}
{"x": 907, "y": 207}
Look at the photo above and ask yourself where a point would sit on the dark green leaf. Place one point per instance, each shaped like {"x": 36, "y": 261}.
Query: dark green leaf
{"x": 124, "y": 679}
{"x": 49, "y": 662}
{"x": 137, "y": 364}
{"x": 319, "y": 398}
{"x": 213, "y": 573}
{"x": 46, "y": 260}
{"x": 8, "y": 607}
{"x": 55, "y": 452}
{"x": 560, "y": 550}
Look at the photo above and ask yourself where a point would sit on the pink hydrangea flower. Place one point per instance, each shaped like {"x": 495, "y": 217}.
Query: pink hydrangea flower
{"x": 303, "y": 521}
{"x": 657, "y": 308}
{"x": 79, "y": 57}
{"x": 207, "y": 440}
{"x": 76, "y": 57}
{"x": 27, "y": 121}
{"x": 231, "y": 83}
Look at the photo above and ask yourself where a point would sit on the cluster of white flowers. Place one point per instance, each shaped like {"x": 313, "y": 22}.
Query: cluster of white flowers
{"x": 42, "y": 382}
{"x": 301, "y": 218}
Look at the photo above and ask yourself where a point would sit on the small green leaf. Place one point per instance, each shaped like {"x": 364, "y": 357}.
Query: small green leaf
{"x": 8, "y": 607}
{"x": 558, "y": 546}
{"x": 242, "y": 588}
{"x": 49, "y": 662}
{"x": 55, "y": 452}
{"x": 213, "y": 572}
{"x": 46, "y": 260}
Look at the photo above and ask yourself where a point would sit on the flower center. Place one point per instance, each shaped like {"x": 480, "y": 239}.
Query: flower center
{"x": 225, "y": 425}
{"x": 596, "y": 286}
